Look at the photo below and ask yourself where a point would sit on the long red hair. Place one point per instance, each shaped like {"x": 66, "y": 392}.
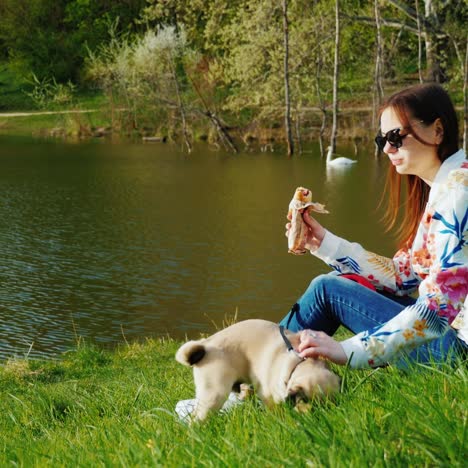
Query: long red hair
{"x": 425, "y": 103}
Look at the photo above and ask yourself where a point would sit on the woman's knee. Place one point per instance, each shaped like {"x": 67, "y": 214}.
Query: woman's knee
{"x": 312, "y": 309}
{"x": 322, "y": 283}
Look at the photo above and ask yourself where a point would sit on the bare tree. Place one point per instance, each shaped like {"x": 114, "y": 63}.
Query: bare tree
{"x": 459, "y": 44}
{"x": 465, "y": 99}
{"x": 287, "y": 116}
{"x": 418, "y": 23}
{"x": 332, "y": 147}
{"x": 321, "y": 102}
{"x": 180, "y": 103}
{"x": 464, "y": 69}
{"x": 378, "y": 71}
{"x": 298, "y": 127}
{"x": 432, "y": 62}
{"x": 430, "y": 32}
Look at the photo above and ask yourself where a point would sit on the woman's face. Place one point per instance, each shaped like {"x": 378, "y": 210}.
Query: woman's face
{"x": 413, "y": 157}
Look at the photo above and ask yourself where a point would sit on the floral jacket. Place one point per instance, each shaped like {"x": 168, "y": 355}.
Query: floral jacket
{"x": 436, "y": 265}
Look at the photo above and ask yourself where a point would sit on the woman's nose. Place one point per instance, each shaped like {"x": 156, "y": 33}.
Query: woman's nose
{"x": 388, "y": 148}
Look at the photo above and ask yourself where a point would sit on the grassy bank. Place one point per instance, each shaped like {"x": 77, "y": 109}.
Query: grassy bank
{"x": 118, "y": 122}
{"x": 56, "y": 124}
{"x": 90, "y": 121}
{"x": 89, "y": 114}
{"x": 97, "y": 408}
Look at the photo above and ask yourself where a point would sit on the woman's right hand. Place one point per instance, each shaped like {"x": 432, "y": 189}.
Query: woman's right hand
{"x": 315, "y": 233}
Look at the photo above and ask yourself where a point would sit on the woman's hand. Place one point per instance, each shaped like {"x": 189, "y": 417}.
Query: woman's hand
{"x": 316, "y": 344}
{"x": 316, "y": 231}
{"x": 315, "y": 234}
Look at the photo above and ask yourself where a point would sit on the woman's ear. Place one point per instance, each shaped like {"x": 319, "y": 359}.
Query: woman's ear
{"x": 439, "y": 131}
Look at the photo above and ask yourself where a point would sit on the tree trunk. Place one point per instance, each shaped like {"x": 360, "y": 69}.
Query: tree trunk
{"x": 321, "y": 104}
{"x": 223, "y": 134}
{"x": 462, "y": 56}
{"x": 180, "y": 105}
{"x": 418, "y": 22}
{"x": 332, "y": 147}
{"x": 287, "y": 117}
{"x": 378, "y": 71}
{"x": 298, "y": 129}
{"x": 465, "y": 99}
{"x": 432, "y": 61}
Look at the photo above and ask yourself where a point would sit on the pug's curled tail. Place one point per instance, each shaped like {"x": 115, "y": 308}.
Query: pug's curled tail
{"x": 191, "y": 353}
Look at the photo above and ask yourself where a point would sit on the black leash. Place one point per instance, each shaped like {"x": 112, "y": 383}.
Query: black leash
{"x": 288, "y": 344}
{"x": 294, "y": 310}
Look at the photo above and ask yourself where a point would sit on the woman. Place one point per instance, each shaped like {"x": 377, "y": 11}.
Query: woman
{"x": 419, "y": 134}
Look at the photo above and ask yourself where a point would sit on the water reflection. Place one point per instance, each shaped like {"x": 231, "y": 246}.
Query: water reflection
{"x": 104, "y": 240}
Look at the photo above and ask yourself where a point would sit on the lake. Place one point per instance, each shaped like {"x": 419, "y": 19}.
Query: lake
{"x": 114, "y": 242}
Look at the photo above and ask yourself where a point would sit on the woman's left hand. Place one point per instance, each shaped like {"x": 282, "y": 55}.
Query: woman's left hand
{"x": 316, "y": 344}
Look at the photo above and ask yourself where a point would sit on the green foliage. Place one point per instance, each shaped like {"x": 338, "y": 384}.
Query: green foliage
{"x": 47, "y": 93}
{"x": 96, "y": 408}
{"x": 192, "y": 14}
{"x": 13, "y": 90}
{"x": 50, "y": 39}
{"x": 145, "y": 74}
{"x": 36, "y": 38}
{"x": 231, "y": 61}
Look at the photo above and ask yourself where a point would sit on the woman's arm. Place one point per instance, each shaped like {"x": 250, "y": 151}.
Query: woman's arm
{"x": 440, "y": 257}
{"x": 392, "y": 275}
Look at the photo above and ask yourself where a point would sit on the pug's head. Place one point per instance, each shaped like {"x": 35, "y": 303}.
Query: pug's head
{"x": 311, "y": 379}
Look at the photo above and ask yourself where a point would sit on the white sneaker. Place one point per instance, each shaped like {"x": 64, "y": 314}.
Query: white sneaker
{"x": 185, "y": 408}
{"x": 233, "y": 400}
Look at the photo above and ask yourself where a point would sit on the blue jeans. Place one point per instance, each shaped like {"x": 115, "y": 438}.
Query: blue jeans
{"x": 331, "y": 301}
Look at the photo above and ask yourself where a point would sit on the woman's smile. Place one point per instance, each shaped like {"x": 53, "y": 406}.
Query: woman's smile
{"x": 396, "y": 161}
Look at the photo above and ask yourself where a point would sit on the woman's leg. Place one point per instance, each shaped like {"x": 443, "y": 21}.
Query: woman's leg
{"x": 331, "y": 301}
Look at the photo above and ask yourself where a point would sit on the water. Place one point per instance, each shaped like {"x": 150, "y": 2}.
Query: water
{"x": 107, "y": 241}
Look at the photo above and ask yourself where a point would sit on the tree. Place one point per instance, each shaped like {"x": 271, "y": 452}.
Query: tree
{"x": 287, "y": 116}
{"x": 465, "y": 100}
{"x": 418, "y": 22}
{"x": 378, "y": 72}
{"x": 334, "y": 130}
{"x": 149, "y": 74}
{"x": 141, "y": 72}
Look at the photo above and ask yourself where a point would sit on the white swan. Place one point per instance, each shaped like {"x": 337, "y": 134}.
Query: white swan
{"x": 341, "y": 161}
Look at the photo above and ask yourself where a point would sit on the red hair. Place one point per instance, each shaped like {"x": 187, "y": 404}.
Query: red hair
{"x": 425, "y": 103}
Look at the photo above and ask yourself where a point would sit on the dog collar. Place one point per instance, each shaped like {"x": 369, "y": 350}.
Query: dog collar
{"x": 288, "y": 344}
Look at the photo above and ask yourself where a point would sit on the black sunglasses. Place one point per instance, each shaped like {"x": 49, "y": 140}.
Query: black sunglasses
{"x": 393, "y": 137}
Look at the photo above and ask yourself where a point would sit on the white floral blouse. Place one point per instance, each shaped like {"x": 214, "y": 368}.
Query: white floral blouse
{"x": 436, "y": 265}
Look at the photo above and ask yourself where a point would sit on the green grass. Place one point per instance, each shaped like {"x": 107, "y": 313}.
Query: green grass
{"x": 14, "y": 98}
{"x": 70, "y": 124}
{"x": 100, "y": 408}
{"x": 52, "y": 125}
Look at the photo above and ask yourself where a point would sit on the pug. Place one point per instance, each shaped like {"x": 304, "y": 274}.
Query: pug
{"x": 256, "y": 352}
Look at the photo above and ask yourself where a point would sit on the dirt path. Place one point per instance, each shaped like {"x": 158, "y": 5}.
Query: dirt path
{"x": 30, "y": 114}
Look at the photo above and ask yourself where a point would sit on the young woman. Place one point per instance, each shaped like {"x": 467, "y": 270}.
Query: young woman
{"x": 419, "y": 134}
